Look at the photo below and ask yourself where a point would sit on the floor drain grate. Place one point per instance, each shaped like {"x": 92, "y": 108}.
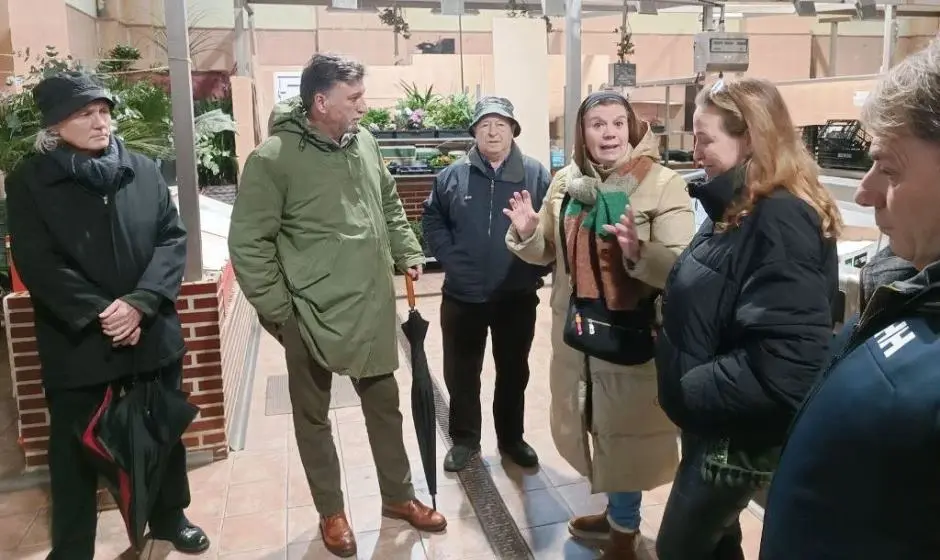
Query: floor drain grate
{"x": 500, "y": 528}
{"x": 277, "y": 395}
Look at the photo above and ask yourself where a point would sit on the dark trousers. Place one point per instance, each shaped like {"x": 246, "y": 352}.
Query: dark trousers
{"x": 464, "y": 327}
{"x": 74, "y": 480}
{"x": 701, "y": 519}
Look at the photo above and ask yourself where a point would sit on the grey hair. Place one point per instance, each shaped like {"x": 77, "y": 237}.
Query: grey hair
{"x": 324, "y": 71}
{"x": 907, "y": 99}
{"x": 47, "y": 140}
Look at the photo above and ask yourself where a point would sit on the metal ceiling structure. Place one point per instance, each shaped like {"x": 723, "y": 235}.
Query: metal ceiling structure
{"x": 572, "y": 10}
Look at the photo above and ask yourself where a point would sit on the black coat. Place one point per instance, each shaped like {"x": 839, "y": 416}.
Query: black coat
{"x": 746, "y": 318}
{"x": 465, "y": 227}
{"x": 78, "y": 249}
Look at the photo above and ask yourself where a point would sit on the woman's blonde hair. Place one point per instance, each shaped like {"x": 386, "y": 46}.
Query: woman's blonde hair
{"x": 778, "y": 158}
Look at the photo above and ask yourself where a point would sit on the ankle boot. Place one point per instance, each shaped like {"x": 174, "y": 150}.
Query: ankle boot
{"x": 623, "y": 546}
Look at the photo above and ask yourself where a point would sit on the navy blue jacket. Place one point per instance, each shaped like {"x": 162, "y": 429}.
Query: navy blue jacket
{"x": 465, "y": 228}
{"x": 859, "y": 478}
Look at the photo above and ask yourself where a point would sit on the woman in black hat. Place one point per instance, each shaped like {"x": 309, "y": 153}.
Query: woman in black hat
{"x": 99, "y": 244}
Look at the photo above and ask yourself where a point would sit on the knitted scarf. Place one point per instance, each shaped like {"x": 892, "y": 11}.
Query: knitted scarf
{"x": 598, "y": 198}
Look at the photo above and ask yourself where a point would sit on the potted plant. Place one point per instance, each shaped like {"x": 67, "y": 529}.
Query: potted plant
{"x": 379, "y": 122}
{"x": 437, "y": 163}
{"x": 453, "y": 115}
{"x": 413, "y": 114}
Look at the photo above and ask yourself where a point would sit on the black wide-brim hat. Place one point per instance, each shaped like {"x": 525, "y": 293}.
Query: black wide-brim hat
{"x": 61, "y": 95}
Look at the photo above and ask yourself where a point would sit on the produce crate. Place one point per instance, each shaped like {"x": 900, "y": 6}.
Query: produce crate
{"x": 843, "y": 144}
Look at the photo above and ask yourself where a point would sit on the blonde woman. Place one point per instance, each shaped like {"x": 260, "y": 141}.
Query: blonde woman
{"x": 747, "y": 314}
{"x": 613, "y": 223}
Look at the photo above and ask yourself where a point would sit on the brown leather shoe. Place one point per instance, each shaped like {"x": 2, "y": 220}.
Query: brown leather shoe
{"x": 622, "y": 546}
{"x": 338, "y": 538}
{"x": 418, "y": 515}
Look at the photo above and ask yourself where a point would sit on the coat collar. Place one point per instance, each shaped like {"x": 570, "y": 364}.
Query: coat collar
{"x": 512, "y": 170}
{"x": 717, "y": 194}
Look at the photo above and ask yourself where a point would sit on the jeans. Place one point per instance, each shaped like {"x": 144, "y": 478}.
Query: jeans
{"x": 624, "y": 510}
{"x": 716, "y": 532}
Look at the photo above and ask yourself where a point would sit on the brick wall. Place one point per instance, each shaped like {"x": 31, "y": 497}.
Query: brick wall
{"x": 413, "y": 191}
{"x": 211, "y": 328}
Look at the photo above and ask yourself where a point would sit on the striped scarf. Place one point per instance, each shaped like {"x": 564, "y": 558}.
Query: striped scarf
{"x": 594, "y": 256}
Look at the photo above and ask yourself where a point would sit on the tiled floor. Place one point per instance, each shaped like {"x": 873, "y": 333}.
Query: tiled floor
{"x": 256, "y": 505}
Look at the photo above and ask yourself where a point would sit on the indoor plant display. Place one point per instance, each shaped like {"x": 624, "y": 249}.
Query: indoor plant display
{"x": 440, "y": 162}
{"x": 413, "y": 112}
{"x": 379, "y": 122}
{"x": 453, "y": 114}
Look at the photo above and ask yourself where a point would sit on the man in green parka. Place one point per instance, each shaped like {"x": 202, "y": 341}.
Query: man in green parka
{"x": 315, "y": 233}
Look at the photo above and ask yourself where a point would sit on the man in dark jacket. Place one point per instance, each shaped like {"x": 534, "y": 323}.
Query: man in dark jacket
{"x": 485, "y": 286}
{"x": 100, "y": 246}
{"x": 859, "y": 473}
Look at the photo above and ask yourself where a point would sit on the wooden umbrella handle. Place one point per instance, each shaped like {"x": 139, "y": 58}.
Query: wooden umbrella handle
{"x": 410, "y": 288}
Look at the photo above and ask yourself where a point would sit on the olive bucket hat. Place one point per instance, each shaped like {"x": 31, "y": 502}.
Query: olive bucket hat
{"x": 491, "y": 105}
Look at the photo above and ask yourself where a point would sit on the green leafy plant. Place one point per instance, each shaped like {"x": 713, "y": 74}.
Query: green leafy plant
{"x": 215, "y": 142}
{"x": 119, "y": 59}
{"x": 453, "y": 112}
{"x": 394, "y": 17}
{"x": 417, "y": 99}
{"x": 625, "y": 44}
{"x": 377, "y": 119}
{"x": 441, "y": 161}
{"x": 418, "y": 230}
{"x": 142, "y": 118}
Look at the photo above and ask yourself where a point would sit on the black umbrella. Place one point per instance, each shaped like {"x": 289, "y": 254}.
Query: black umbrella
{"x": 422, "y": 392}
{"x": 130, "y": 436}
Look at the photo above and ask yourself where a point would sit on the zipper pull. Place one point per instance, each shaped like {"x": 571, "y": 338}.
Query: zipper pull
{"x": 105, "y": 199}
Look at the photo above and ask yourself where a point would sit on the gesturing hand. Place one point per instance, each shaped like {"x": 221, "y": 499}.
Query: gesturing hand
{"x": 627, "y": 238}
{"x": 522, "y": 215}
{"x": 119, "y": 320}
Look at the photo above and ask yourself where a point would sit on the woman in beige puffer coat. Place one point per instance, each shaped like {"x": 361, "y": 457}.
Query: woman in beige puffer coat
{"x": 632, "y": 445}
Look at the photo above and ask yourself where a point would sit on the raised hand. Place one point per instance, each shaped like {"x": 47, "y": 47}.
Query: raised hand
{"x": 523, "y": 217}
{"x": 627, "y": 238}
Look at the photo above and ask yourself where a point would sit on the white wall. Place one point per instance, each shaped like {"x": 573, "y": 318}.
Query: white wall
{"x": 90, "y": 7}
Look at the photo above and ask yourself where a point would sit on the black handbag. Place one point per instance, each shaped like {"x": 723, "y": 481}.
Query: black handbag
{"x": 620, "y": 337}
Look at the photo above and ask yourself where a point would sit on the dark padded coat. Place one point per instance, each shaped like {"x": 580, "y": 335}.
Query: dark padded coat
{"x": 746, "y": 318}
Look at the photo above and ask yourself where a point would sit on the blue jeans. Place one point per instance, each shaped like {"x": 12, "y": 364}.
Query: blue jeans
{"x": 624, "y": 510}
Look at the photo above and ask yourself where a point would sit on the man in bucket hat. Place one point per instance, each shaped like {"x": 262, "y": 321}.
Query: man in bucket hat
{"x": 486, "y": 288}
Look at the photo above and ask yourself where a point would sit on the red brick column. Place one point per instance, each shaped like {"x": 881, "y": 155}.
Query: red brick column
{"x": 204, "y": 309}
{"x": 413, "y": 191}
